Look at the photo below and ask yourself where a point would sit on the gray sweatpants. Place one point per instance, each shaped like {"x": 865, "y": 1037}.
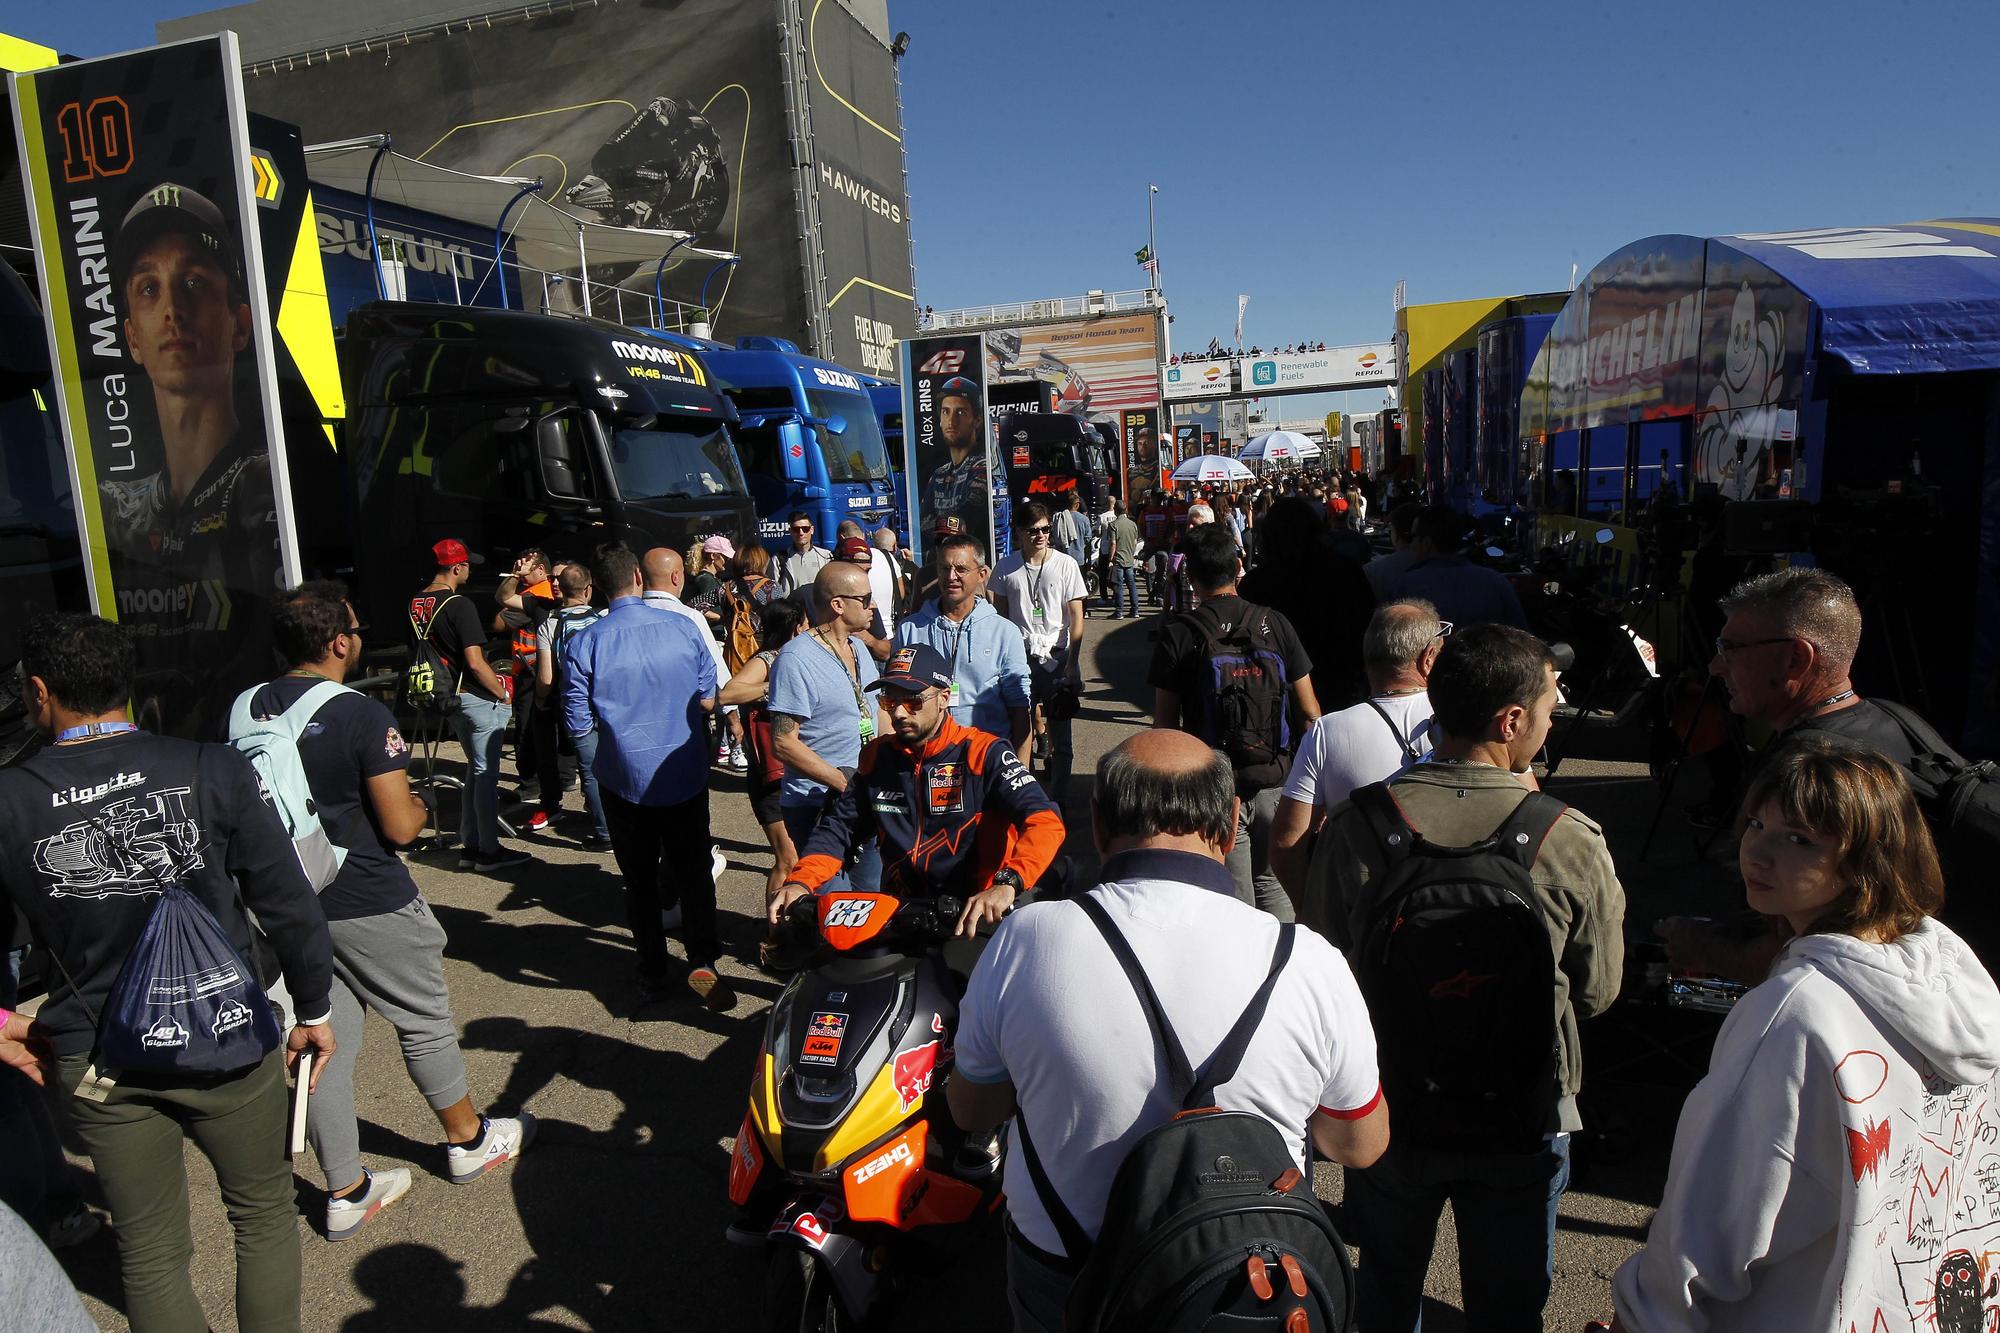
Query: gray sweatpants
{"x": 1250, "y": 859}
{"x": 393, "y": 964}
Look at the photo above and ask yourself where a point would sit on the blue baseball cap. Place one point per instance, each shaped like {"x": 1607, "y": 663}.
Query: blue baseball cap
{"x": 913, "y": 668}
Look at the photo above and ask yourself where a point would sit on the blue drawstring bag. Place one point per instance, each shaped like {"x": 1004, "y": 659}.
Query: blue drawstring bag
{"x": 185, "y": 1002}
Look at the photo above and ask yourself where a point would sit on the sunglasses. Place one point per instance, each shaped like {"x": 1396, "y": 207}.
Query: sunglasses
{"x": 355, "y": 631}
{"x": 866, "y": 599}
{"x": 1040, "y": 530}
{"x": 802, "y": 527}
{"x": 899, "y": 702}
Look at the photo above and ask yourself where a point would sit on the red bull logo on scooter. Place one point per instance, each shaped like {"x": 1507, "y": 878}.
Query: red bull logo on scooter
{"x": 912, "y": 1074}
{"x": 823, "y": 1037}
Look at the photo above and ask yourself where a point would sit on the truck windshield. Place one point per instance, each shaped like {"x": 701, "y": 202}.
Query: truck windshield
{"x": 668, "y": 464}
{"x": 857, "y": 454}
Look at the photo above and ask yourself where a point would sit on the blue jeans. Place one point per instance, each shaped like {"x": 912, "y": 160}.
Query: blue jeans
{"x": 1036, "y": 1293}
{"x": 586, "y": 772}
{"x": 864, "y": 864}
{"x": 1505, "y": 1207}
{"x": 1125, "y": 579}
{"x": 482, "y": 729}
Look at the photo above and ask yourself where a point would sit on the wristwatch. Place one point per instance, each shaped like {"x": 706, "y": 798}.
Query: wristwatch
{"x": 1010, "y": 878}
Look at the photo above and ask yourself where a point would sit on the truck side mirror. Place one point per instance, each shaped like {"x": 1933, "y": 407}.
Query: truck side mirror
{"x": 792, "y": 445}
{"x": 836, "y": 424}
{"x": 555, "y": 450}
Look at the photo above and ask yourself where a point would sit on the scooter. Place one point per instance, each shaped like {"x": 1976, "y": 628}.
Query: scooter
{"x": 847, "y": 1148}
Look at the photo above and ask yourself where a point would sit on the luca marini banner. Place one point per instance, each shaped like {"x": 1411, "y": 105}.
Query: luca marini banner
{"x": 142, "y": 197}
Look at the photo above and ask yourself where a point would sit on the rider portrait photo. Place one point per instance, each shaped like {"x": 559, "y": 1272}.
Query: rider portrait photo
{"x": 958, "y": 484}
{"x": 188, "y": 509}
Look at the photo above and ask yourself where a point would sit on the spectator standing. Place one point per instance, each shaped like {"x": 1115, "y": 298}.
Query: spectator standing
{"x": 748, "y": 691}
{"x": 551, "y": 644}
{"x": 1051, "y": 1031}
{"x": 802, "y": 561}
{"x": 989, "y": 662}
{"x": 644, "y": 679}
{"x": 1371, "y": 741}
{"x": 1402, "y": 531}
{"x": 1250, "y": 725}
{"x": 903, "y": 573}
{"x": 1804, "y": 1186}
{"x": 882, "y": 587}
{"x": 1121, "y": 543}
{"x": 1321, "y": 592}
{"x": 1493, "y": 689}
{"x": 1463, "y": 592}
{"x": 1041, "y": 590}
{"x": 526, "y": 596}
{"x": 820, "y": 717}
{"x": 666, "y": 579}
{"x": 1071, "y": 530}
{"x": 443, "y": 614}
{"x": 201, "y": 810}
{"x": 388, "y": 949}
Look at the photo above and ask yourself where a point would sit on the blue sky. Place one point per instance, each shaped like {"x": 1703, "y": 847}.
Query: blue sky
{"x": 1311, "y": 153}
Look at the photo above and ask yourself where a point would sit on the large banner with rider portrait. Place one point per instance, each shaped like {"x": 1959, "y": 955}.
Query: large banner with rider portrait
{"x": 143, "y": 197}
{"x": 948, "y": 448}
{"x": 1142, "y": 451}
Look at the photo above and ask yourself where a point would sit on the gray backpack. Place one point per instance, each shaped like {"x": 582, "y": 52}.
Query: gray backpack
{"x": 272, "y": 746}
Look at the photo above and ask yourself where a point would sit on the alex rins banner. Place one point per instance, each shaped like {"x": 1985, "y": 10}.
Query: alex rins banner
{"x": 142, "y": 198}
{"x": 948, "y": 449}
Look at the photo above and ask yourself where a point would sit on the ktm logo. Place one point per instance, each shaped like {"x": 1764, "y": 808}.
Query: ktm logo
{"x": 944, "y": 363}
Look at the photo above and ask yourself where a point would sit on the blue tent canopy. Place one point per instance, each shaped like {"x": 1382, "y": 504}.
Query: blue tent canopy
{"x": 1911, "y": 299}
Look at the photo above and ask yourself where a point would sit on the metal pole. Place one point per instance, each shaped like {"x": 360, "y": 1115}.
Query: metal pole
{"x": 583, "y": 268}
{"x": 1152, "y": 237}
{"x": 660, "y": 270}
{"x": 374, "y": 250}
{"x": 500, "y": 241}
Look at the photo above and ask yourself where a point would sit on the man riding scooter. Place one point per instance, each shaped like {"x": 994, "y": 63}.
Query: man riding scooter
{"x": 926, "y": 792}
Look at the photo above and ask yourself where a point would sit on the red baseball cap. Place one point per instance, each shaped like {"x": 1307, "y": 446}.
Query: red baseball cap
{"x": 853, "y": 546}
{"x": 451, "y": 551}
{"x": 1337, "y": 505}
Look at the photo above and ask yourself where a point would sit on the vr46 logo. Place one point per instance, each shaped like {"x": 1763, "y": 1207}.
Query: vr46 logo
{"x": 849, "y": 911}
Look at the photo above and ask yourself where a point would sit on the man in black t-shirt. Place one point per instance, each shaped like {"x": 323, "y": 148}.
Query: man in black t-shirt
{"x": 388, "y": 950}
{"x": 1184, "y": 697}
{"x": 94, "y": 826}
{"x": 445, "y": 615}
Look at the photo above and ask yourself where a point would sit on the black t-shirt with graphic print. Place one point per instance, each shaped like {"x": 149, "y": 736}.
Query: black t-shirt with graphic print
{"x": 350, "y": 739}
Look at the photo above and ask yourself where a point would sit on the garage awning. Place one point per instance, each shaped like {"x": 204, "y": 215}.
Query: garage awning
{"x": 546, "y": 235}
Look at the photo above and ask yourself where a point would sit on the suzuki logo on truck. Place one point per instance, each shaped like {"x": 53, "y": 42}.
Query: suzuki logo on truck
{"x": 836, "y": 379}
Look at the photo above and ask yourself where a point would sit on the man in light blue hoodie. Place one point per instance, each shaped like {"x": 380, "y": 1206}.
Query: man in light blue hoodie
{"x": 989, "y": 659}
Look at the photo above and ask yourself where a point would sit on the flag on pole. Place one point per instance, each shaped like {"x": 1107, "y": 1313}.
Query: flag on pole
{"x": 1242, "y": 304}
{"x": 1144, "y": 254}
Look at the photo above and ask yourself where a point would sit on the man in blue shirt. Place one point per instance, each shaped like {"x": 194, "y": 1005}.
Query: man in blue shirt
{"x": 642, "y": 678}
{"x": 989, "y": 660}
{"x": 820, "y": 715}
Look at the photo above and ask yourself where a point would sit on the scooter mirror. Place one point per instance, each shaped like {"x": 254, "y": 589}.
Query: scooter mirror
{"x": 1604, "y": 536}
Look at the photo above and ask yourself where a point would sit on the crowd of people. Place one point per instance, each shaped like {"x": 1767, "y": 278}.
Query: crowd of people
{"x": 1333, "y": 824}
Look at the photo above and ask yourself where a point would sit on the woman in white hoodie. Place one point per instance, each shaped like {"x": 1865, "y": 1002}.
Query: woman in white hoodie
{"x": 1839, "y": 1167}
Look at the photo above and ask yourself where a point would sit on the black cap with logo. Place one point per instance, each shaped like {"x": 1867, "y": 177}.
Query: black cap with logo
{"x": 168, "y": 208}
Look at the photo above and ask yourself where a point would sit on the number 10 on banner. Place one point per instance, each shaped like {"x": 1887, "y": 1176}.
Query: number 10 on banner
{"x": 97, "y": 139}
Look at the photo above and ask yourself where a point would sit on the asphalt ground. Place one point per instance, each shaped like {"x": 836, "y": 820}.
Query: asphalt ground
{"x": 614, "y": 1218}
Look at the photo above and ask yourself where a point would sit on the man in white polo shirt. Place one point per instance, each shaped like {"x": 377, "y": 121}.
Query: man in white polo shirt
{"x": 1041, "y": 590}
{"x": 1051, "y": 1026}
{"x": 1370, "y": 742}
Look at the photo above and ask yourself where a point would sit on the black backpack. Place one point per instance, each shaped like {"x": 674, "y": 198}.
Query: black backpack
{"x": 430, "y": 685}
{"x": 1210, "y": 1223}
{"x": 1960, "y": 800}
{"x": 1451, "y": 951}
{"x": 1246, "y": 713}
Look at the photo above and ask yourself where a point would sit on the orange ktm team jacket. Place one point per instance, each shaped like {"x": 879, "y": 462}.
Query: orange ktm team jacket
{"x": 948, "y": 816}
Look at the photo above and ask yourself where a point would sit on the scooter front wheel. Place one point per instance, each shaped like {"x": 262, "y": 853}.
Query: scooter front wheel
{"x": 799, "y": 1297}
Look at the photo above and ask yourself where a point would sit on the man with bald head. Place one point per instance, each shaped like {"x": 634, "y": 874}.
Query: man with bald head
{"x": 1370, "y": 742}
{"x": 1053, "y": 1033}
{"x": 820, "y": 715}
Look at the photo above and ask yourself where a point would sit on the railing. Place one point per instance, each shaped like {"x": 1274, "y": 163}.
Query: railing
{"x": 1027, "y": 312}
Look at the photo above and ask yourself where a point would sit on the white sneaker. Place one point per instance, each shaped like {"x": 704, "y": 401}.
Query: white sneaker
{"x": 738, "y": 761}
{"x": 344, "y": 1217}
{"x": 505, "y": 1139}
{"x": 717, "y": 863}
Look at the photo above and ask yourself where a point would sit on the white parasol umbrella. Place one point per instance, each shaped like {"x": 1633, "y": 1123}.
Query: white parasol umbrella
{"x": 1280, "y": 444}
{"x": 1211, "y": 467}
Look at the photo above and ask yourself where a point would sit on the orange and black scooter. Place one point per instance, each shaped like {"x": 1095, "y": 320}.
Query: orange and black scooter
{"x": 847, "y": 1158}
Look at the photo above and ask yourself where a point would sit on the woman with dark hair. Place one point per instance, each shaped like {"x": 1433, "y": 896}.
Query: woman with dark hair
{"x": 1829, "y": 1169}
{"x": 748, "y": 688}
{"x": 1322, "y": 592}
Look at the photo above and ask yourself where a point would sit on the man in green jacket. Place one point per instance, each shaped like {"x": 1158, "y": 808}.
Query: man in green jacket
{"x": 1493, "y": 691}
{"x": 1123, "y": 536}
